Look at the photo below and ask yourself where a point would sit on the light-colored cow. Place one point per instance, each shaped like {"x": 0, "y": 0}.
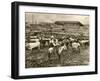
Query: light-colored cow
{"x": 35, "y": 44}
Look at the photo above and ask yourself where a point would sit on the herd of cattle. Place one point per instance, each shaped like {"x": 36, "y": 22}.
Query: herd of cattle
{"x": 58, "y": 45}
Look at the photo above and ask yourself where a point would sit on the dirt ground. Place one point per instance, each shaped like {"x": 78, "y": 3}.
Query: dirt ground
{"x": 70, "y": 57}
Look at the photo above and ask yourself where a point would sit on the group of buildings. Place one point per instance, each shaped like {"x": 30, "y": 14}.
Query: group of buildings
{"x": 58, "y": 29}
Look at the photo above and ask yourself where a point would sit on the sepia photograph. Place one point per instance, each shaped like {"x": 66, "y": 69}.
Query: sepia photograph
{"x": 52, "y": 40}
{"x": 56, "y": 40}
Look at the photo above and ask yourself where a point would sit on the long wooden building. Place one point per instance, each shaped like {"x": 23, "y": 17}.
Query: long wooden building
{"x": 59, "y": 28}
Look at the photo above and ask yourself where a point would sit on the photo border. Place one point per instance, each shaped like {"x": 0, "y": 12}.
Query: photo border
{"x": 15, "y": 39}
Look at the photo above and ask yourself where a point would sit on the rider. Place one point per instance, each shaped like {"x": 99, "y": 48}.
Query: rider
{"x": 52, "y": 41}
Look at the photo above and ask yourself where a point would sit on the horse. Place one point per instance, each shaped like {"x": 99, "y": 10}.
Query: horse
{"x": 58, "y": 48}
{"x": 52, "y": 45}
{"x": 61, "y": 48}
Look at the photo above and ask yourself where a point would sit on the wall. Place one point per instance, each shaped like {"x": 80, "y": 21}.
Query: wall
{"x": 5, "y": 40}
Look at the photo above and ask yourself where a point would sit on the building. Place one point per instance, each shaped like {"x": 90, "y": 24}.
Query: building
{"x": 60, "y": 28}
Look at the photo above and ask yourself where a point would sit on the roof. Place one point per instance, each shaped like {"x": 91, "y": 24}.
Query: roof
{"x": 68, "y": 22}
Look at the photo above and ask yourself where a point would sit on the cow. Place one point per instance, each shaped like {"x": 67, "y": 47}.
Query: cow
{"x": 84, "y": 43}
{"x": 35, "y": 43}
{"x": 76, "y": 47}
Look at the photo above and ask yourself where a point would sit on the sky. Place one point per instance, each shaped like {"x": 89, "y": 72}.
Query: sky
{"x": 32, "y": 17}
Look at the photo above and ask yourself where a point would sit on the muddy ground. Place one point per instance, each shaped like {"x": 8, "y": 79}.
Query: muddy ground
{"x": 70, "y": 57}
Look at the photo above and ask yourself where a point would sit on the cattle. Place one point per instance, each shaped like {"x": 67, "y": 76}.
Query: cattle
{"x": 75, "y": 45}
{"x": 84, "y": 43}
{"x": 34, "y": 44}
